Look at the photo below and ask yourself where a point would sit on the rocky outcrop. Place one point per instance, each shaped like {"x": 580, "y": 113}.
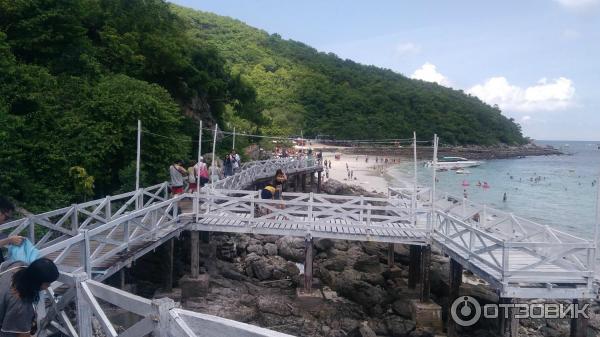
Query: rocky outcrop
{"x": 291, "y": 248}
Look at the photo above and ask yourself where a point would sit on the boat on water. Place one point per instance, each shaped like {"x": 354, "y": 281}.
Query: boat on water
{"x": 454, "y": 163}
{"x": 463, "y": 171}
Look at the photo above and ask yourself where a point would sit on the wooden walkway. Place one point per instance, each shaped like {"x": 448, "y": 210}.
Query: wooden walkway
{"x": 93, "y": 240}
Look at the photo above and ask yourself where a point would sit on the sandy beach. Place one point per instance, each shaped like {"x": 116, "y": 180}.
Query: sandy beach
{"x": 373, "y": 175}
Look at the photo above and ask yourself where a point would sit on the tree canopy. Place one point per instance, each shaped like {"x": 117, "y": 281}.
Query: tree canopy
{"x": 299, "y": 88}
{"x": 76, "y": 75}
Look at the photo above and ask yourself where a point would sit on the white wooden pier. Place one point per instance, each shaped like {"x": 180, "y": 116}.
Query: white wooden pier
{"x": 93, "y": 240}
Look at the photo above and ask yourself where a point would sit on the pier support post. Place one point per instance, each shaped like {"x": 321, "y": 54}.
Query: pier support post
{"x": 195, "y": 252}
{"x": 579, "y": 325}
{"x": 425, "y": 277}
{"x": 122, "y": 278}
{"x": 390, "y": 259}
{"x": 509, "y": 324}
{"x": 456, "y": 271}
{"x": 319, "y": 182}
{"x": 303, "y": 183}
{"x": 414, "y": 266}
{"x": 308, "y": 264}
{"x": 84, "y": 310}
{"x": 170, "y": 246}
{"x": 296, "y": 182}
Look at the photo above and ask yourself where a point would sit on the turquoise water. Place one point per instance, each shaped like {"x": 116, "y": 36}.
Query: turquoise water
{"x": 563, "y": 196}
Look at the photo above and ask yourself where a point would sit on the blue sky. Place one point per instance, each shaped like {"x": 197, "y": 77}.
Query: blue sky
{"x": 539, "y": 60}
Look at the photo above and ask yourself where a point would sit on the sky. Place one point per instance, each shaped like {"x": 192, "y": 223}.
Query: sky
{"x": 539, "y": 60}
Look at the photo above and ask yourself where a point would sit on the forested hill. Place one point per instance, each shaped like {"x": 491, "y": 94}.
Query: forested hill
{"x": 301, "y": 88}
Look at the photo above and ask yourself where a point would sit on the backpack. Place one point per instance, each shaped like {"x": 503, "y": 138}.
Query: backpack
{"x": 26, "y": 252}
{"x": 203, "y": 171}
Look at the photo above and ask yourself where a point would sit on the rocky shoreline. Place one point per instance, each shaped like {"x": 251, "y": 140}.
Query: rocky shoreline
{"x": 254, "y": 279}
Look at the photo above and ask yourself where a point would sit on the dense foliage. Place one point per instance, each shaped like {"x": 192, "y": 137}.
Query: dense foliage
{"x": 75, "y": 75}
{"x": 300, "y": 88}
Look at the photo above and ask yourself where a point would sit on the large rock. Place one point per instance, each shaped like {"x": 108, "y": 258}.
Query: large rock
{"x": 271, "y": 248}
{"x": 398, "y": 326}
{"x": 335, "y": 264}
{"x": 323, "y": 244}
{"x": 291, "y": 248}
{"x": 256, "y": 248}
{"x": 362, "y": 331}
{"x": 332, "y": 186}
{"x": 275, "y": 305}
{"x": 258, "y": 267}
{"x": 349, "y": 284}
{"x": 368, "y": 264}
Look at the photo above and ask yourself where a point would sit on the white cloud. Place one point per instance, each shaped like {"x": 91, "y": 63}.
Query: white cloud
{"x": 579, "y": 4}
{"x": 546, "y": 95}
{"x": 407, "y": 48}
{"x": 429, "y": 73}
{"x": 524, "y": 119}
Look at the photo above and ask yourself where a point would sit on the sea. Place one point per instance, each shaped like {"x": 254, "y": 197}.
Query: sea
{"x": 559, "y": 191}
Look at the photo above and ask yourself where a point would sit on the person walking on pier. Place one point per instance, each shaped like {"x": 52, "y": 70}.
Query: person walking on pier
{"x": 279, "y": 181}
{"x": 20, "y": 286}
{"x": 202, "y": 170}
{"x": 192, "y": 174}
{"x": 6, "y": 210}
{"x": 177, "y": 172}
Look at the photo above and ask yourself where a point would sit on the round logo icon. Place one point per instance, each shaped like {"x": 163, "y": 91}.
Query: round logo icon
{"x": 465, "y": 311}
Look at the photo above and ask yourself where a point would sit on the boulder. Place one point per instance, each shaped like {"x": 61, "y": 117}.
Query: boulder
{"x": 258, "y": 267}
{"x": 368, "y": 264}
{"x": 275, "y": 305}
{"x": 335, "y": 264}
{"x": 349, "y": 284}
{"x": 402, "y": 308}
{"x": 256, "y": 248}
{"x": 291, "y": 248}
{"x": 271, "y": 248}
{"x": 398, "y": 326}
{"x": 341, "y": 245}
{"x": 323, "y": 244}
{"x": 362, "y": 331}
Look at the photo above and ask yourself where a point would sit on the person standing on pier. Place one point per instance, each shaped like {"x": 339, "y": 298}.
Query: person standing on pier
{"x": 192, "y": 173}
{"x": 6, "y": 210}
{"x": 177, "y": 172}
{"x": 20, "y": 286}
{"x": 279, "y": 181}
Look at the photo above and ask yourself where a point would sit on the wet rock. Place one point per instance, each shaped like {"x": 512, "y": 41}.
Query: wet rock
{"x": 368, "y": 264}
{"x": 291, "y": 248}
